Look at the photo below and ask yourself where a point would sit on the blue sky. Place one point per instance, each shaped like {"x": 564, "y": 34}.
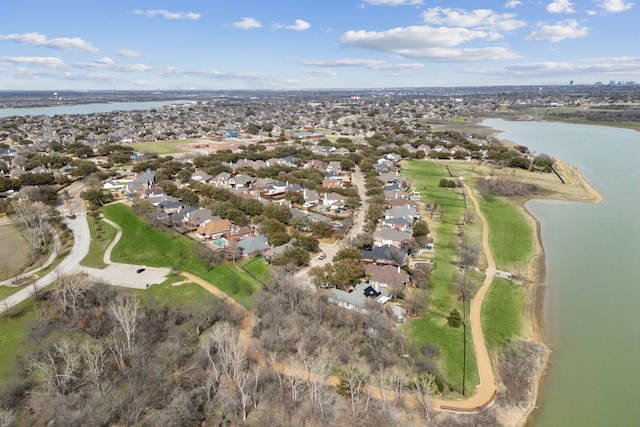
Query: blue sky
{"x": 287, "y": 44}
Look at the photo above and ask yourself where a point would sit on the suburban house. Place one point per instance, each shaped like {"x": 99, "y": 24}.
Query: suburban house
{"x": 214, "y": 229}
{"x": 196, "y": 218}
{"x": 400, "y": 224}
{"x": 387, "y": 276}
{"x": 384, "y": 255}
{"x": 407, "y": 212}
{"x": 241, "y": 181}
{"x": 333, "y": 200}
{"x": 311, "y": 198}
{"x": 359, "y": 298}
{"x": 201, "y": 176}
{"x": 143, "y": 181}
{"x": 386, "y": 236}
{"x": 169, "y": 207}
{"x": 254, "y": 245}
{"x": 241, "y": 233}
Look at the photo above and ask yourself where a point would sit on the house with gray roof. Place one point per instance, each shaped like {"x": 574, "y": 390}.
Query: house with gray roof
{"x": 254, "y": 245}
{"x": 386, "y": 236}
{"x": 359, "y": 297}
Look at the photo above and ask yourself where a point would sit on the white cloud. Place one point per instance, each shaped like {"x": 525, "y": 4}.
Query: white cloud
{"x": 479, "y": 18}
{"x": 247, "y": 23}
{"x": 167, "y": 14}
{"x": 128, "y": 53}
{"x": 512, "y": 3}
{"x": 428, "y": 43}
{"x": 372, "y": 64}
{"x": 42, "y": 61}
{"x": 321, "y": 73}
{"x": 62, "y": 43}
{"x": 615, "y": 6}
{"x": 567, "y": 29}
{"x": 106, "y": 61}
{"x": 394, "y": 2}
{"x": 560, "y": 6}
{"x": 299, "y": 25}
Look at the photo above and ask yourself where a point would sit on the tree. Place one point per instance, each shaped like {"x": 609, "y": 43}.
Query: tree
{"x": 352, "y": 383}
{"x": 308, "y": 243}
{"x": 423, "y": 387}
{"x": 95, "y": 361}
{"x": 420, "y": 228}
{"x": 232, "y": 251}
{"x": 347, "y": 253}
{"x": 124, "y": 310}
{"x": 454, "y": 319}
{"x": 59, "y": 368}
{"x": 70, "y": 291}
{"x": 346, "y": 271}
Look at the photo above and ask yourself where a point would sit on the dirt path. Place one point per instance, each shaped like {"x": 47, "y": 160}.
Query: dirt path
{"x": 486, "y": 391}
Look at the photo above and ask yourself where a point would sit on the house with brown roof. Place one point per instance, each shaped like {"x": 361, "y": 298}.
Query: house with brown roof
{"x": 388, "y": 276}
{"x": 214, "y": 229}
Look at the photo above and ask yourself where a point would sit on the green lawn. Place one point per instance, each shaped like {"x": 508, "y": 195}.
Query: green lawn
{"x": 502, "y": 313}
{"x": 432, "y": 327}
{"x": 161, "y": 147}
{"x": 14, "y": 251}
{"x": 6, "y": 291}
{"x": 510, "y": 234}
{"x": 13, "y": 328}
{"x": 102, "y": 234}
{"x": 141, "y": 244}
{"x": 257, "y": 268}
{"x": 179, "y": 296}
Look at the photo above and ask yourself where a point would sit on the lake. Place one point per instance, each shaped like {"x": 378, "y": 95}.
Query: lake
{"x": 592, "y": 258}
{"x": 86, "y": 108}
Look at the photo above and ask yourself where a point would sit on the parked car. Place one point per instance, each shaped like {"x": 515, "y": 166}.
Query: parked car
{"x": 322, "y": 256}
{"x": 140, "y": 270}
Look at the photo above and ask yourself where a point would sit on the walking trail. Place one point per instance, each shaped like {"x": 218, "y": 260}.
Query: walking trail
{"x": 486, "y": 391}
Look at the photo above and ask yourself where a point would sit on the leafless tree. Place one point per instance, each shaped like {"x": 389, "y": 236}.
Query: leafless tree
{"x": 70, "y": 290}
{"x": 232, "y": 251}
{"x": 33, "y": 217}
{"x": 59, "y": 368}
{"x": 423, "y": 387}
{"x": 95, "y": 360}
{"x": 353, "y": 381}
{"x": 124, "y": 310}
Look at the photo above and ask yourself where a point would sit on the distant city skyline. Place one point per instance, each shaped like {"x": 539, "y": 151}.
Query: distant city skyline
{"x": 257, "y": 44}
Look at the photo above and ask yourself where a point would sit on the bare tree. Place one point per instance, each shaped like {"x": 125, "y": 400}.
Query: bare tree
{"x": 34, "y": 220}
{"x": 70, "y": 291}
{"x": 423, "y": 387}
{"x": 95, "y": 361}
{"x": 232, "y": 251}
{"x": 59, "y": 368}
{"x": 352, "y": 383}
{"x": 124, "y": 309}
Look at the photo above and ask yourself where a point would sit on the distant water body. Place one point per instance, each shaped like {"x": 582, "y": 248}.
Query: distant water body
{"x": 592, "y": 256}
{"x": 85, "y": 108}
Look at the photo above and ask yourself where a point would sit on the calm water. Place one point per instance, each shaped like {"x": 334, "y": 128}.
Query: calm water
{"x": 85, "y": 108}
{"x": 592, "y": 306}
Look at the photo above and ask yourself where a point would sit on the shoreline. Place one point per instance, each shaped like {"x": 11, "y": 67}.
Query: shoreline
{"x": 537, "y": 270}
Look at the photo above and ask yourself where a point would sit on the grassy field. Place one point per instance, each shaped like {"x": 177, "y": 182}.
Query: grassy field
{"x": 161, "y": 147}
{"x": 141, "y": 244}
{"x": 510, "y": 234}
{"x": 432, "y": 326}
{"x": 13, "y": 328}
{"x": 502, "y": 313}
{"x": 179, "y": 296}
{"x": 14, "y": 251}
{"x": 257, "y": 268}
{"x": 102, "y": 234}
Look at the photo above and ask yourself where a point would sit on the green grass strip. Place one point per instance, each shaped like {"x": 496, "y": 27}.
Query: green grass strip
{"x": 142, "y": 244}
{"x": 502, "y": 313}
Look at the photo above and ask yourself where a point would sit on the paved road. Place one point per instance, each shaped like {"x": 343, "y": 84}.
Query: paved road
{"x": 81, "y": 240}
{"x": 356, "y": 228}
{"x": 114, "y": 274}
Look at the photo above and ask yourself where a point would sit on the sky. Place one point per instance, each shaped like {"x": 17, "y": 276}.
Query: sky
{"x": 314, "y": 44}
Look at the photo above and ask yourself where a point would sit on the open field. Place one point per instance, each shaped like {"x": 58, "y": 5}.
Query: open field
{"x": 141, "y": 244}
{"x": 14, "y": 325}
{"x": 257, "y": 268}
{"x": 14, "y": 251}
{"x": 502, "y": 313}
{"x": 102, "y": 234}
{"x": 176, "y": 296}
{"x": 161, "y": 147}
{"x": 511, "y": 236}
{"x": 432, "y": 326}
